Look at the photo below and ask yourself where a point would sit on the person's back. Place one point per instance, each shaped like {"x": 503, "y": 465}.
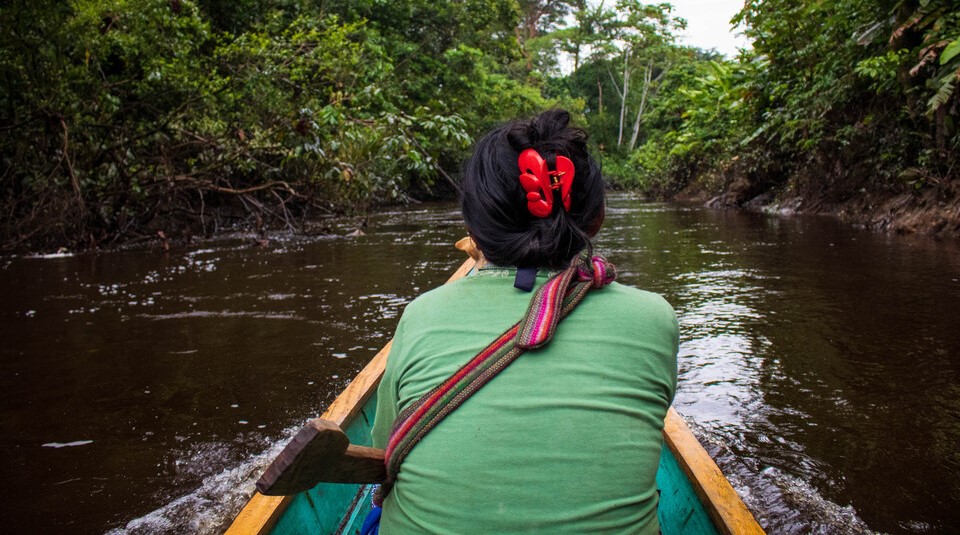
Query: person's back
{"x": 565, "y": 439}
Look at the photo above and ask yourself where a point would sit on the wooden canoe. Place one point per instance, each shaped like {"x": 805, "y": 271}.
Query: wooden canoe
{"x": 695, "y": 496}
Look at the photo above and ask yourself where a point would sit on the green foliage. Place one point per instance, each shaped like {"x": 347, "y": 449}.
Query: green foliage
{"x": 127, "y": 115}
{"x": 471, "y": 83}
{"x": 835, "y": 96}
{"x": 936, "y": 51}
{"x": 882, "y": 70}
{"x": 698, "y": 114}
{"x": 123, "y": 117}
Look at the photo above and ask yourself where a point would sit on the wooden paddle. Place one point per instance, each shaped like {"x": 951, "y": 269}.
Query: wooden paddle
{"x": 321, "y": 453}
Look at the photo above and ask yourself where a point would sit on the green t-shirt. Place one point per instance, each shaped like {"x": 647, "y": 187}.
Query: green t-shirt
{"x": 565, "y": 440}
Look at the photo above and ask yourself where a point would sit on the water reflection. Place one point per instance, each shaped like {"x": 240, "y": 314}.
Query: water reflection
{"x": 145, "y": 392}
{"x": 814, "y": 360}
{"x": 169, "y": 379}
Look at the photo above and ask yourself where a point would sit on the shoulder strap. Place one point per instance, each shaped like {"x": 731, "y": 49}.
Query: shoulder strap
{"x": 551, "y": 303}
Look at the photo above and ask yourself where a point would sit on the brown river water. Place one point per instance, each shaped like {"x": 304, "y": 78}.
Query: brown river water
{"x": 144, "y": 392}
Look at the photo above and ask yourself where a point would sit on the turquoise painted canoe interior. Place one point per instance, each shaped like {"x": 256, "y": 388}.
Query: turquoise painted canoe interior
{"x": 331, "y": 508}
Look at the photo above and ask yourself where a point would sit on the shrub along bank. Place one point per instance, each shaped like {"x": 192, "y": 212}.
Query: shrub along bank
{"x": 841, "y": 106}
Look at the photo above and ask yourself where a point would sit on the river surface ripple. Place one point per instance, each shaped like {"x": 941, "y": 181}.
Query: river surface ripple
{"x": 143, "y": 392}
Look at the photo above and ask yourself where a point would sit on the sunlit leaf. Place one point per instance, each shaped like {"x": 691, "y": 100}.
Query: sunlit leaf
{"x": 950, "y": 52}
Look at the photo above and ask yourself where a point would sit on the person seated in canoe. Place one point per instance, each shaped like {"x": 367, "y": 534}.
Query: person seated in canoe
{"x": 577, "y": 372}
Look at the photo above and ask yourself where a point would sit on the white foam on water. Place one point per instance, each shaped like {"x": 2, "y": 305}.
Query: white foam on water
{"x": 59, "y": 254}
{"x": 782, "y": 503}
{"x": 67, "y": 444}
{"x": 223, "y": 314}
{"x": 209, "y": 508}
{"x": 801, "y": 508}
{"x": 201, "y": 251}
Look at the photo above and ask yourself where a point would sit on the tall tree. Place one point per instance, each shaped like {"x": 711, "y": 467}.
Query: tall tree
{"x": 634, "y": 31}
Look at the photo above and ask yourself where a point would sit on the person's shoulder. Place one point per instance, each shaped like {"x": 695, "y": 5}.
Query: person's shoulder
{"x": 633, "y": 297}
{"x": 446, "y": 295}
{"x": 639, "y": 306}
{"x": 422, "y": 303}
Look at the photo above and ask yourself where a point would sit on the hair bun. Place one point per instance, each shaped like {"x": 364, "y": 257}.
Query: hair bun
{"x": 538, "y": 131}
{"x": 494, "y": 203}
{"x": 550, "y": 123}
{"x": 522, "y": 136}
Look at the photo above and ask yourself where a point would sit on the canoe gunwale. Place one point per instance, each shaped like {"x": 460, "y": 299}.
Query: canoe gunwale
{"x": 722, "y": 503}
{"x": 729, "y": 514}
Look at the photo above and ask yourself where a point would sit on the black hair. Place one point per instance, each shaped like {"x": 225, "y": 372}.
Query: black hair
{"x": 494, "y": 203}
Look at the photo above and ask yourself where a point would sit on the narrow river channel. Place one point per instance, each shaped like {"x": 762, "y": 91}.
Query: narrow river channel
{"x": 143, "y": 392}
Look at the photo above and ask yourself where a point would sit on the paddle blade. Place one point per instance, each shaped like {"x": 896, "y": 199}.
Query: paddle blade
{"x": 320, "y": 453}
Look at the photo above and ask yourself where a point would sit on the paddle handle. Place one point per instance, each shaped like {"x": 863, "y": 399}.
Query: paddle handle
{"x": 468, "y": 246}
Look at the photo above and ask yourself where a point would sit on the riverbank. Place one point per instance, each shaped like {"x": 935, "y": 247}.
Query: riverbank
{"x": 932, "y": 211}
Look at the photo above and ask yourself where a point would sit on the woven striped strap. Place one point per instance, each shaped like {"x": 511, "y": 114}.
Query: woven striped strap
{"x": 551, "y": 303}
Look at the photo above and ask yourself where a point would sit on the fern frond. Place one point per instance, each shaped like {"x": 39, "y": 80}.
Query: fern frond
{"x": 942, "y": 96}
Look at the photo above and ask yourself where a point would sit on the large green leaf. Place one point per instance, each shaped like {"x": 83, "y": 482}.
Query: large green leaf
{"x": 950, "y": 52}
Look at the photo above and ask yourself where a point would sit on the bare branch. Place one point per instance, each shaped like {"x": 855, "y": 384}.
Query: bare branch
{"x": 276, "y": 184}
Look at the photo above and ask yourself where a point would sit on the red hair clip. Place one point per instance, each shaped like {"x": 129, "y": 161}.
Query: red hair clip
{"x": 539, "y": 182}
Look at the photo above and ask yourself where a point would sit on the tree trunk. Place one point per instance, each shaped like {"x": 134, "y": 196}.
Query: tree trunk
{"x": 648, "y": 82}
{"x": 600, "y": 98}
{"x": 623, "y": 94}
{"x": 643, "y": 104}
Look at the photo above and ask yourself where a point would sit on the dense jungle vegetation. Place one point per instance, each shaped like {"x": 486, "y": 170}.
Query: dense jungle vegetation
{"x": 125, "y": 118}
